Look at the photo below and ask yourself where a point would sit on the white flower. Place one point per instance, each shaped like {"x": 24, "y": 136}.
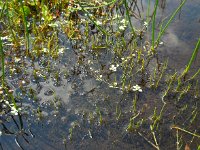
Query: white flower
{"x": 7, "y": 102}
{"x": 137, "y": 88}
{"x": 4, "y": 38}
{"x": 23, "y": 82}
{"x": 112, "y": 86}
{"x": 45, "y": 50}
{"x": 61, "y": 50}
{"x": 98, "y": 22}
{"x": 99, "y": 78}
{"x": 146, "y": 24}
{"x": 123, "y": 21}
{"x": 14, "y": 111}
{"x": 113, "y": 68}
{"x": 122, "y": 27}
{"x": 17, "y": 59}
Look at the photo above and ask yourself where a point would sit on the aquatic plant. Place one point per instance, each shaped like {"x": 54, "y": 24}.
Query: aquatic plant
{"x": 2, "y": 62}
{"x": 107, "y": 46}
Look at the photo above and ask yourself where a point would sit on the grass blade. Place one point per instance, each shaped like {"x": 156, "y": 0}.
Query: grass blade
{"x": 194, "y": 54}
{"x": 153, "y": 24}
{"x": 2, "y": 62}
{"x": 169, "y": 21}
{"x": 129, "y": 18}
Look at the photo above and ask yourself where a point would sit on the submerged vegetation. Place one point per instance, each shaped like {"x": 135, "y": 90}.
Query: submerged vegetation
{"x": 61, "y": 44}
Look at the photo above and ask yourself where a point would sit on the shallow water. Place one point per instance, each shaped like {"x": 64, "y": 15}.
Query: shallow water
{"x": 66, "y": 114}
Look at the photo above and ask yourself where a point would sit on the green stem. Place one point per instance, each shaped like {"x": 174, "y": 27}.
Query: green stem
{"x": 129, "y": 18}
{"x": 169, "y": 21}
{"x": 194, "y": 54}
{"x": 26, "y": 28}
{"x": 153, "y": 24}
{"x": 2, "y": 62}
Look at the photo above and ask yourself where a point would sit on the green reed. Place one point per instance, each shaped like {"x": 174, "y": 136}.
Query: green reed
{"x": 162, "y": 31}
{"x": 2, "y": 62}
{"x": 26, "y": 34}
{"x": 194, "y": 54}
{"x": 186, "y": 70}
{"x": 153, "y": 25}
{"x": 129, "y": 18}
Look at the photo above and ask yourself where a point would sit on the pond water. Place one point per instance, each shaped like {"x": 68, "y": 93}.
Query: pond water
{"x": 70, "y": 108}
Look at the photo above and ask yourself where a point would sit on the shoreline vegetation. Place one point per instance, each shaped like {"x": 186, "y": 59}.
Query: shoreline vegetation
{"x": 116, "y": 43}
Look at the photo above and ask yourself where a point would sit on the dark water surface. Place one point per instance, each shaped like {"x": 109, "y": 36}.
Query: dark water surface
{"x": 67, "y": 112}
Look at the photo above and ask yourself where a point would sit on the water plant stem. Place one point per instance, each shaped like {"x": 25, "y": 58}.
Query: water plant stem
{"x": 129, "y": 18}
{"x": 194, "y": 54}
{"x": 178, "y": 128}
{"x": 2, "y": 62}
{"x": 153, "y": 25}
{"x": 169, "y": 21}
{"x": 26, "y": 34}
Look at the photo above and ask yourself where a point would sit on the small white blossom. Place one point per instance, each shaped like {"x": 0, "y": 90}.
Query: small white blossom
{"x": 61, "y": 51}
{"x": 137, "y": 88}
{"x": 7, "y": 102}
{"x": 14, "y": 111}
{"x": 98, "y": 22}
{"x": 23, "y": 82}
{"x": 99, "y": 78}
{"x": 17, "y": 59}
{"x": 112, "y": 86}
{"x": 5, "y": 38}
{"x": 45, "y": 50}
{"x": 146, "y": 24}
{"x": 113, "y": 68}
{"x": 122, "y": 27}
{"x": 123, "y": 21}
